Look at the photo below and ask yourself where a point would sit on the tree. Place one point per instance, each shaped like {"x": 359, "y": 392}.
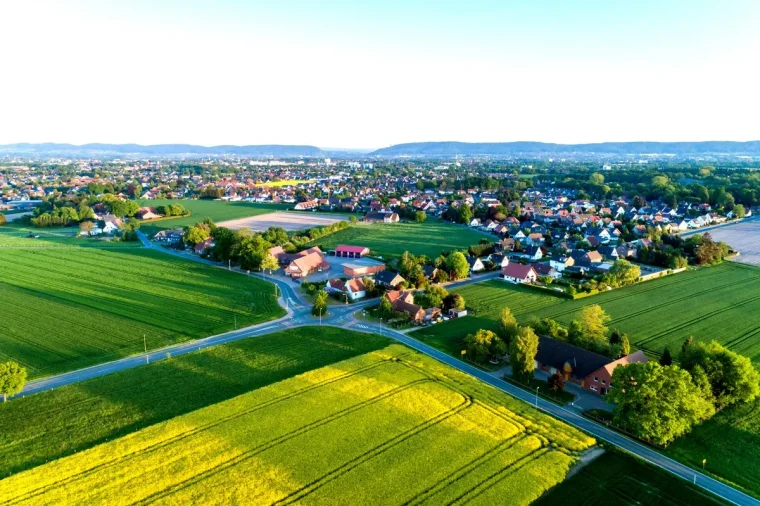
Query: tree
{"x": 12, "y": 379}
{"x": 453, "y": 301}
{"x": 353, "y": 220}
{"x": 484, "y": 344}
{"x": 666, "y": 359}
{"x": 732, "y": 377}
{"x": 270, "y": 263}
{"x": 593, "y": 320}
{"x": 739, "y": 211}
{"x": 385, "y": 309}
{"x": 3, "y": 219}
{"x": 195, "y": 234}
{"x": 369, "y": 286}
{"x": 522, "y": 353}
{"x": 556, "y": 382}
{"x": 86, "y": 227}
{"x": 320, "y": 304}
{"x": 507, "y": 324}
{"x": 624, "y": 272}
{"x": 456, "y": 264}
{"x": 596, "y": 178}
{"x": 625, "y": 345}
{"x": 465, "y": 214}
{"x": 420, "y": 216}
{"x": 575, "y": 332}
{"x": 656, "y": 403}
{"x": 687, "y": 343}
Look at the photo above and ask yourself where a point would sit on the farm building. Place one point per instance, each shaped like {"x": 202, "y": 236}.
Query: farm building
{"x": 381, "y": 218}
{"x": 170, "y": 235}
{"x": 362, "y": 267}
{"x": 345, "y": 251}
{"x": 306, "y": 262}
{"x": 307, "y": 206}
{"x": 590, "y": 370}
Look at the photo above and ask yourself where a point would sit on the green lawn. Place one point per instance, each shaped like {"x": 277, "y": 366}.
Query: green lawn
{"x": 389, "y": 239}
{"x": 66, "y": 308}
{"x": 710, "y": 303}
{"x": 217, "y": 210}
{"x": 620, "y": 479}
{"x": 16, "y": 235}
{"x": 50, "y": 425}
{"x": 387, "y": 427}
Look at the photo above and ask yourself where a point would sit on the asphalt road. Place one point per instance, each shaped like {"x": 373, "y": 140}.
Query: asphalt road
{"x": 343, "y": 317}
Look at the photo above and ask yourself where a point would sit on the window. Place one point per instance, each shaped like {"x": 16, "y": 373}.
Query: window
{"x": 594, "y": 388}
{"x": 604, "y": 382}
{"x": 596, "y": 379}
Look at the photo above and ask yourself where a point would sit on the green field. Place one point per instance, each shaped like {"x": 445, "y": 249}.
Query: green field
{"x": 80, "y": 416}
{"x": 390, "y": 427}
{"x": 66, "y": 308}
{"x": 730, "y": 441}
{"x": 708, "y": 303}
{"x": 389, "y": 239}
{"x": 16, "y": 236}
{"x": 618, "y": 479}
{"x": 217, "y": 210}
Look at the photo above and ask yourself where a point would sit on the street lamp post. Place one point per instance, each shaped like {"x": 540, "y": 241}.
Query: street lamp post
{"x": 537, "y": 396}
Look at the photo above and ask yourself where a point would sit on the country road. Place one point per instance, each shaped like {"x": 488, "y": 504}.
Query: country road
{"x": 344, "y": 317}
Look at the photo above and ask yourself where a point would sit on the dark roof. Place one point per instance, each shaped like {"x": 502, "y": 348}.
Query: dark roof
{"x": 555, "y": 353}
{"x": 428, "y": 270}
{"x": 386, "y": 276}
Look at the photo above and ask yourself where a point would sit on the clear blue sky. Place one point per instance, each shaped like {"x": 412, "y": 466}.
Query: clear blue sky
{"x": 369, "y": 74}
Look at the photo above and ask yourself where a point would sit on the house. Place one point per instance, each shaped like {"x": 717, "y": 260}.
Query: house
{"x": 202, "y": 246}
{"x": 404, "y": 295}
{"x": 531, "y": 253}
{"x": 475, "y": 222}
{"x": 507, "y": 244}
{"x": 543, "y": 269}
{"x": 381, "y": 218}
{"x": 590, "y": 370}
{"x": 172, "y": 235}
{"x": 560, "y": 262}
{"x": 518, "y": 273}
{"x": 476, "y": 265}
{"x": 351, "y": 251}
{"x": 306, "y": 262}
{"x": 353, "y": 288}
{"x": 403, "y": 301}
{"x": 147, "y": 213}
{"x": 111, "y": 224}
{"x": 592, "y": 257}
{"x": 389, "y": 279}
{"x": 499, "y": 260}
{"x": 536, "y": 239}
{"x": 430, "y": 272}
{"x": 307, "y": 206}
{"x": 608, "y": 252}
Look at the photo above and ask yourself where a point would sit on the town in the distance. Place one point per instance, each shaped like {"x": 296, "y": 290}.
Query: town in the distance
{"x": 427, "y": 323}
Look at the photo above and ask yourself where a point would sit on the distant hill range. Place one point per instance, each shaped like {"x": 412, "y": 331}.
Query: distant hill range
{"x": 53, "y": 149}
{"x": 537, "y": 148}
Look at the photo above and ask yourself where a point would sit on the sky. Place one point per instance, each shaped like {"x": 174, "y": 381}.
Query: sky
{"x": 367, "y": 74}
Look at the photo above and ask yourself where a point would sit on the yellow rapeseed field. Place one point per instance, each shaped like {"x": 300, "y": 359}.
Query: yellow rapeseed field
{"x": 388, "y": 427}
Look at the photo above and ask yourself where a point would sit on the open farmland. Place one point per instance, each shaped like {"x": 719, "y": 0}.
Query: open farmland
{"x": 80, "y": 416}
{"x": 17, "y": 236}
{"x": 389, "y": 427}
{"x": 217, "y": 210}
{"x": 389, "y": 239}
{"x": 707, "y": 303}
{"x": 743, "y": 237}
{"x": 289, "y": 221}
{"x": 66, "y": 308}
{"x": 619, "y": 479}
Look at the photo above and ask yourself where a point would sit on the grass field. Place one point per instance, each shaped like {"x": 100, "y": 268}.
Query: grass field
{"x": 730, "y": 441}
{"x": 389, "y": 427}
{"x": 217, "y": 210}
{"x": 66, "y": 308}
{"x": 709, "y": 303}
{"x": 16, "y": 236}
{"x": 80, "y": 416}
{"x": 619, "y": 479}
{"x": 389, "y": 239}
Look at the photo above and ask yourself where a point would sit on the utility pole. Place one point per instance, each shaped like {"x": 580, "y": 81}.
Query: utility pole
{"x": 537, "y": 396}
{"x": 229, "y": 264}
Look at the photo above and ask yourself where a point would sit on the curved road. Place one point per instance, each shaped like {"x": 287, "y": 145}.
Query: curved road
{"x": 343, "y": 317}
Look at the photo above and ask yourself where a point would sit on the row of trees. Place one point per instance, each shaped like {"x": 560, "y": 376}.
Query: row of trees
{"x": 659, "y": 402}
